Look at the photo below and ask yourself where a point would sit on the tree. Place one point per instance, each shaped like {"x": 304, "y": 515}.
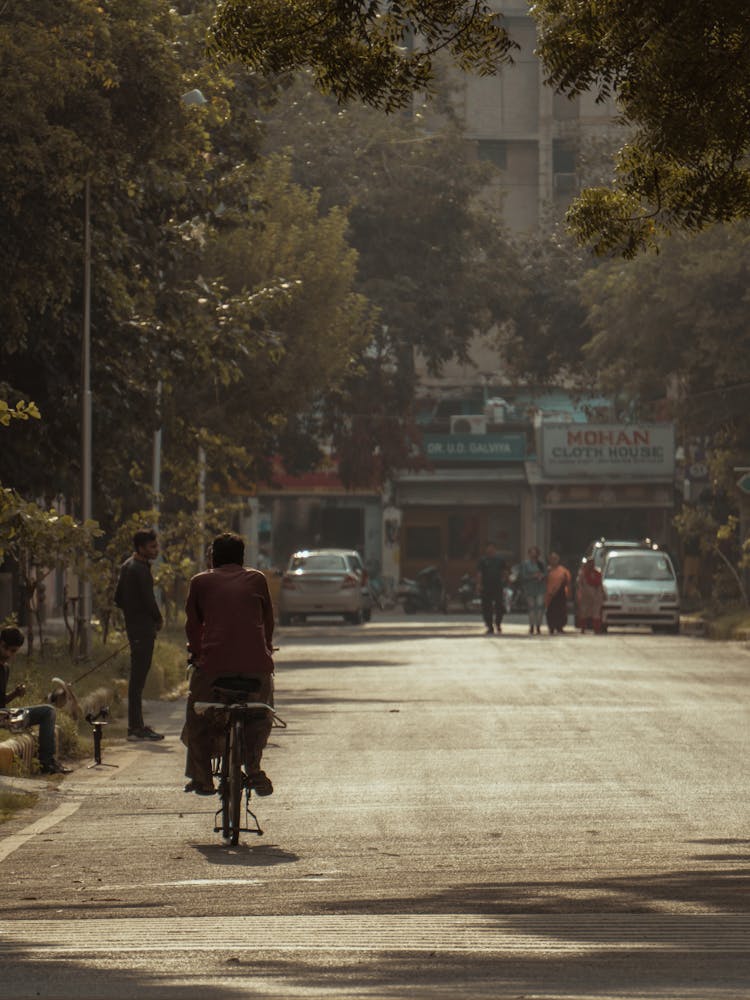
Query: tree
{"x": 679, "y": 70}
{"x": 21, "y": 411}
{"x": 434, "y": 260}
{"x": 548, "y": 326}
{"x": 670, "y": 339}
{"x": 38, "y": 541}
{"x": 682, "y": 318}
{"x": 379, "y": 54}
{"x": 720, "y": 544}
{"x": 88, "y": 92}
{"x": 212, "y": 275}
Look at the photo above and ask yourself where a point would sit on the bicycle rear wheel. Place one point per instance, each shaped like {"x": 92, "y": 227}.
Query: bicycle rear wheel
{"x": 235, "y": 782}
{"x": 224, "y": 769}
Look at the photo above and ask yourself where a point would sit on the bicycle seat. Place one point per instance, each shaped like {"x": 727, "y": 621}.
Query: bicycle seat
{"x": 237, "y": 689}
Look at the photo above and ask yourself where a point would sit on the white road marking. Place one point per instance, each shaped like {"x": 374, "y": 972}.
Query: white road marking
{"x": 17, "y": 840}
{"x": 180, "y": 882}
{"x": 76, "y": 783}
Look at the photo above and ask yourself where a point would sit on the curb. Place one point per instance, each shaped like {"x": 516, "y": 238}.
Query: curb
{"x": 705, "y": 629}
{"x": 17, "y": 754}
{"x": 691, "y": 625}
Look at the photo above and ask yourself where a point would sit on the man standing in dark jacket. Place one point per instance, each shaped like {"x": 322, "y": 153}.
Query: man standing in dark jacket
{"x": 135, "y": 597}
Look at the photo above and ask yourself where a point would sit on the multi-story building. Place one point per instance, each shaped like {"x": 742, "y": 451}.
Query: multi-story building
{"x": 530, "y": 132}
{"x": 520, "y": 464}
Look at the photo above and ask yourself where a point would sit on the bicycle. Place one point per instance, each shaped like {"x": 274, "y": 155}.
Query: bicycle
{"x": 232, "y": 711}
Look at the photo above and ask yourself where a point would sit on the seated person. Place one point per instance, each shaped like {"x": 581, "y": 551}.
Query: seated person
{"x": 11, "y": 640}
{"x": 229, "y": 629}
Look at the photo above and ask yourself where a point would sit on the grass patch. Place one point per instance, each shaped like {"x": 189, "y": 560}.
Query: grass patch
{"x": 167, "y": 672}
{"x": 13, "y": 802}
{"x": 730, "y": 625}
{"x": 107, "y": 668}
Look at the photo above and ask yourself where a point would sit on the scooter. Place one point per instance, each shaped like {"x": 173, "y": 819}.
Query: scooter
{"x": 514, "y": 597}
{"x": 467, "y": 592}
{"x": 425, "y": 593}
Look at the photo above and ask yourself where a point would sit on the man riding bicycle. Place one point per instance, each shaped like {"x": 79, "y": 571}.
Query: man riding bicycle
{"x": 230, "y": 630}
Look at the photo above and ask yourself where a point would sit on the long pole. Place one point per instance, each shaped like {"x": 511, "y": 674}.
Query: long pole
{"x": 201, "y": 501}
{"x": 156, "y": 465}
{"x": 85, "y": 595}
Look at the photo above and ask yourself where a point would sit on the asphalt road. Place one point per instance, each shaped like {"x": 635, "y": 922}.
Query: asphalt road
{"x": 454, "y": 814}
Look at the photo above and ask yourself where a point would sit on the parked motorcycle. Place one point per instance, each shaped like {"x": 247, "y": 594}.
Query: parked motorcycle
{"x": 514, "y": 597}
{"x": 467, "y": 592}
{"x": 425, "y": 593}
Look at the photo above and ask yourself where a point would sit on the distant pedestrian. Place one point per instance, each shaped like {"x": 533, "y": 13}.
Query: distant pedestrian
{"x": 590, "y": 597}
{"x": 533, "y": 577}
{"x": 492, "y": 572}
{"x": 143, "y": 619}
{"x": 557, "y": 594}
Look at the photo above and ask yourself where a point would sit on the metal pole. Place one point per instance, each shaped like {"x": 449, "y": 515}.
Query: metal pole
{"x": 201, "y": 501}
{"x": 156, "y": 467}
{"x": 85, "y": 601}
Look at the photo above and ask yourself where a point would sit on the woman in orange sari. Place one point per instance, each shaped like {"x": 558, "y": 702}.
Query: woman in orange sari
{"x": 558, "y": 592}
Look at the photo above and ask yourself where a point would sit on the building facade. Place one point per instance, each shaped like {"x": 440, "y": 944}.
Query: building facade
{"x": 499, "y": 463}
{"x": 530, "y": 468}
{"x": 530, "y": 133}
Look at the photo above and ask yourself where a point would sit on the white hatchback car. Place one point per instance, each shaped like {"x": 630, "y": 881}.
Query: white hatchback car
{"x": 640, "y": 588}
{"x": 325, "y": 582}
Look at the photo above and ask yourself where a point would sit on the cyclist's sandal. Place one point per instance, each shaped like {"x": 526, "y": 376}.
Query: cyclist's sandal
{"x": 193, "y": 786}
{"x": 260, "y": 783}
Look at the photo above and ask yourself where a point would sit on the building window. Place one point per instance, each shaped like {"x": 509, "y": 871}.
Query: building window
{"x": 494, "y": 150}
{"x": 423, "y": 542}
{"x": 564, "y": 108}
{"x": 563, "y": 157}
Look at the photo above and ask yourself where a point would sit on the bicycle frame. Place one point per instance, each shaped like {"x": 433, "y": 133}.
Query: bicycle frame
{"x": 231, "y": 772}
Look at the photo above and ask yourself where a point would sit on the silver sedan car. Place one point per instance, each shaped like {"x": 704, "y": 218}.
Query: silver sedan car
{"x": 640, "y": 588}
{"x": 325, "y": 582}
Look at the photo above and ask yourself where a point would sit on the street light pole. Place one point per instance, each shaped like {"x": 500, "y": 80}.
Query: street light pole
{"x": 85, "y": 590}
{"x": 84, "y": 602}
{"x": 156, "y": 461}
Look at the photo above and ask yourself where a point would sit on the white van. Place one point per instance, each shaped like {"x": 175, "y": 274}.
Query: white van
{"x": 640, "y": 588}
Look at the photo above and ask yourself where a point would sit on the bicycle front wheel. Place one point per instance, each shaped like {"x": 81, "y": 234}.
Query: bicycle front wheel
{"x": 235, "y": 781}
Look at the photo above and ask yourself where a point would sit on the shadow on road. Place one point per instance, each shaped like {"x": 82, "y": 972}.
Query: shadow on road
{"x": 322, "y": 636}
{"x": 340, "y": 663}
{"x": 720, "y": 890}
{"x": 657, "y": 967}
{"x": 246, "y": 855}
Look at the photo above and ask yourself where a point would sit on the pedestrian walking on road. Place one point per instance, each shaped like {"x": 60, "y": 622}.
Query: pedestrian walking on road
{"x": 590, "y": 597}
{"x": 143, "y": 619}
{"x": 44, "y": 716}
{"x": 533, "y": 576}
{"x": 492, "y": 573}
{"x": 557, "y": 594}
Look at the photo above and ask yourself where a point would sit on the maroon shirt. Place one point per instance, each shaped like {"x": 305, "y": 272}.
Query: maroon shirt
{"x": 230, "y": 621}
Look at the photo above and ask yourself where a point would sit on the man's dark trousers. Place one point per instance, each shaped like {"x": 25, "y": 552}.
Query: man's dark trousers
{"x": 492, "y": 603}
{"x": 141, "y": 652}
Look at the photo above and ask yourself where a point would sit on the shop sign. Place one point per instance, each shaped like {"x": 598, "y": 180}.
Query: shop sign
{"x": 474, "y": 447}
{"x": 602, "y": 451}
